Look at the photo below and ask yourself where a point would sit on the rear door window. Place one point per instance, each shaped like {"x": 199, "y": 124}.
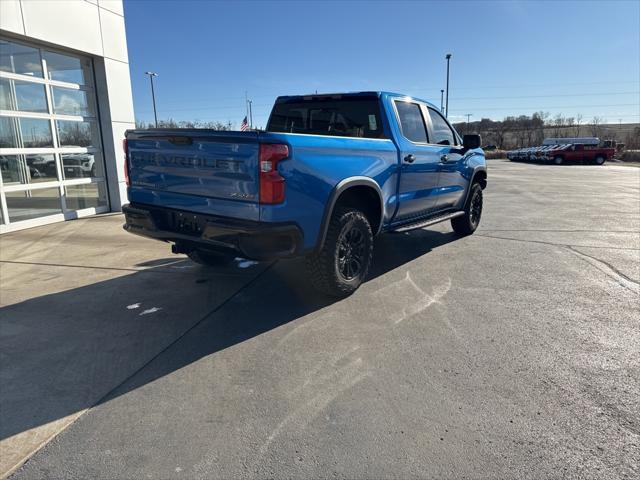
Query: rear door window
{"x": 349, "y": 116}
{"x": 412, "y": 122}
{"x": 441, "y": 131}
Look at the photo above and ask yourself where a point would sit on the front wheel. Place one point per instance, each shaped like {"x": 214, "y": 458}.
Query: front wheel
{"x": 342, "y": 264}
{"x": 468, "y": 223}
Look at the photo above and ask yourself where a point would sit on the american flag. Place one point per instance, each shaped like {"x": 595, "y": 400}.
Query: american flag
{"x": 244, "y": 126}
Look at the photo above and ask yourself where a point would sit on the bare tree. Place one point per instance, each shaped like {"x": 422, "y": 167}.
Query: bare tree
{"x": 558, "y": 125}
{"x": 577, "y": 125}
{"x": 171, "y": 123}
{"x": 632, "y": 140}
{"x": 595, "y": 126}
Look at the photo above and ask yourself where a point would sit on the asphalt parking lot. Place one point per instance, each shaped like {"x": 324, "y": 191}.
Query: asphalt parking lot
{"x": 514, "y": 352}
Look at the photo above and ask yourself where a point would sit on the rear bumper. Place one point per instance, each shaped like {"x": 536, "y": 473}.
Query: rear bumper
{"x": 188, "y": 230}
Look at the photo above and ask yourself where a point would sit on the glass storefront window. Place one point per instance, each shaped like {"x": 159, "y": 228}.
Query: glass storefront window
{"x": 65, "y": 68}
{"x": 80, "y": 165}
{"x": 28, "y": 204}
{"x": 18, "y": 132}
{"x": 35, "y": 132}
{"x": 23, "y": 169}
{"x": 92, "y": 195}
{"x": 18, "y": 58}
{"x": 8, "y": 138}
{"x": 67, "y": 101}
{"x": 23, "y": 96}
{"x": 40, "y": 149}
{"x": 77, "y": 134}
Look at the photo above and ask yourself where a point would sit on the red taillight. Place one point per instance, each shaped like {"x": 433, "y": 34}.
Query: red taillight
{"x": 126, "y": 161}
{"x": 271, "y": 183}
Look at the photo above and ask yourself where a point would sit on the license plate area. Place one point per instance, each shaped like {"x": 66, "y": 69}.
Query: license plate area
{"x": 187, "y": 224}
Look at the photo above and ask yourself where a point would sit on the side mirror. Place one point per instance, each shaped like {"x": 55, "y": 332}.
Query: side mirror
{"x": 471, "y": 141}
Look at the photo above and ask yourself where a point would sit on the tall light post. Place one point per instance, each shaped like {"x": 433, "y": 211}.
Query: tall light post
{"x": 250, "y": 115}
{"x": 448, "y": 57}
{"x": 442, "y": 101}
{"x": 153, "y": 95}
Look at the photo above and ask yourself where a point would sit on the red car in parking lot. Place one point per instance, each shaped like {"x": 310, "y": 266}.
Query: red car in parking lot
{"x": 588, "y": 150}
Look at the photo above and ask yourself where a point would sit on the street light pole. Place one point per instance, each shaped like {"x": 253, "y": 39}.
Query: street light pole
{"x": 250, "y": 115}
{"x": 448, "y": 57}
{"x": 442, "y": 101}
{"x": 153, "y": 95}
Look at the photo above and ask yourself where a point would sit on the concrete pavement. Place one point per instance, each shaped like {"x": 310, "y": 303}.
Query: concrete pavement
{"x": 511, "y": 353}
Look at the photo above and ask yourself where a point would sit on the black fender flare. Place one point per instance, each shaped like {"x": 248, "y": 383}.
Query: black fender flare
{"x": 479, "y": 168}
{"x": 340, "y": 188}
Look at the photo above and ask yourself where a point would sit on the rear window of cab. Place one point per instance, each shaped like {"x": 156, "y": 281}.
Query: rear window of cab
{"x": 342, "y": 117}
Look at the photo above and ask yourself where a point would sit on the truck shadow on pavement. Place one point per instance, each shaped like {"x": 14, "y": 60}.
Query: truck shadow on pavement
{"x": 65, "y": 352}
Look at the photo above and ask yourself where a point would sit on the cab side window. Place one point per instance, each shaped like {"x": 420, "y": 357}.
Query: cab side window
{"x": 442, "y": 133}
{"x": 411, "y": 121}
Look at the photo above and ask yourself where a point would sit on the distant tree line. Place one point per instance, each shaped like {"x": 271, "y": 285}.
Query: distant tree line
{"x": 171, "y": 123}
{"x": 528, "y": 131}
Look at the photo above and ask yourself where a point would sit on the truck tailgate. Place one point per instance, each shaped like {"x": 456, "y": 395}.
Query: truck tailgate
{"x": 201, "y": 170}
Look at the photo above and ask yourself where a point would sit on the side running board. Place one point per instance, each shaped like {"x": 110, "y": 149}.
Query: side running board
{"x": 427, "y": 222}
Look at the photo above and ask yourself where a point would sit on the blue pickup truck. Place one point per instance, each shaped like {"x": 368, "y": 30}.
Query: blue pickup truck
{"x": 329, "y": 173}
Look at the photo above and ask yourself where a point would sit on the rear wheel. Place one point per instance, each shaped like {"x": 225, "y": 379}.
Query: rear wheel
{"x": 342, "y": 264}
{"x": 599, "y": 160}
{"x": 558, "y": 160}
{"x": 468, "y": 223}
{"x": 210, "y": 258}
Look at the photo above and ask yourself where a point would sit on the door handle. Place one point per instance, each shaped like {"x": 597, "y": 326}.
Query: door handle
{"x": 444, "y": 158}
{"x": 410, "y": 158}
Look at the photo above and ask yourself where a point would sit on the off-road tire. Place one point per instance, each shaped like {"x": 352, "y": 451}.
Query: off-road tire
{"x": 324, "y": 267}
{"x": 210, "y": 259}
{"x": 468, "y": 223}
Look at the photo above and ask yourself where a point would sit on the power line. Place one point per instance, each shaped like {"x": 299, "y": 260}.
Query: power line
{"x": 538, "y": 108}
{"x": 436, "y": 90}
{"x": 550, "y": 96}
{"x": 270, "y": 105}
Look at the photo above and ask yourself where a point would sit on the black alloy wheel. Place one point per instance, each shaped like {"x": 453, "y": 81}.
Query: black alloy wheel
{"x": 351, "y": 252}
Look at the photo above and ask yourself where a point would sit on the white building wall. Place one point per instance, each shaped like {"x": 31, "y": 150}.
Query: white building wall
{"x": 95, "y": 28}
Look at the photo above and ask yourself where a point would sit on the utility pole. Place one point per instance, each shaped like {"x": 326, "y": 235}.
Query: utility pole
{"x": 468, "y": 115}
{"x": 153, "y": 96}
{"x": 448, "y": 57}
{"x": 442, "y": 101}
{"x": 250, "y": 115}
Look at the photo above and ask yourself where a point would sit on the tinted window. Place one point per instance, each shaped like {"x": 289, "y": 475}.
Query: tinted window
{"x": 442, "y": 133}
{"x": 29, "y": 97}
{"x": 65, "y": 68}
{"x": 68, "y": 101}
{"x": 25, "y": 133}
{"x": 18, "y": 58}
{"x": 347, "y": 117}
{"x": 411, "y": 121}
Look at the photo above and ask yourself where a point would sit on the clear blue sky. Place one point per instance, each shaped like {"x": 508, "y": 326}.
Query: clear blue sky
{"x": 509, "y": 57}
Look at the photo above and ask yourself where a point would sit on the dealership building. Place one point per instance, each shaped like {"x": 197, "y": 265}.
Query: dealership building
{"x": 65, "y": 102}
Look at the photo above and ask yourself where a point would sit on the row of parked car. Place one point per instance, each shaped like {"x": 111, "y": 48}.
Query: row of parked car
{"x": 536, "y": 154}
{"x": 559, "y": 151}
